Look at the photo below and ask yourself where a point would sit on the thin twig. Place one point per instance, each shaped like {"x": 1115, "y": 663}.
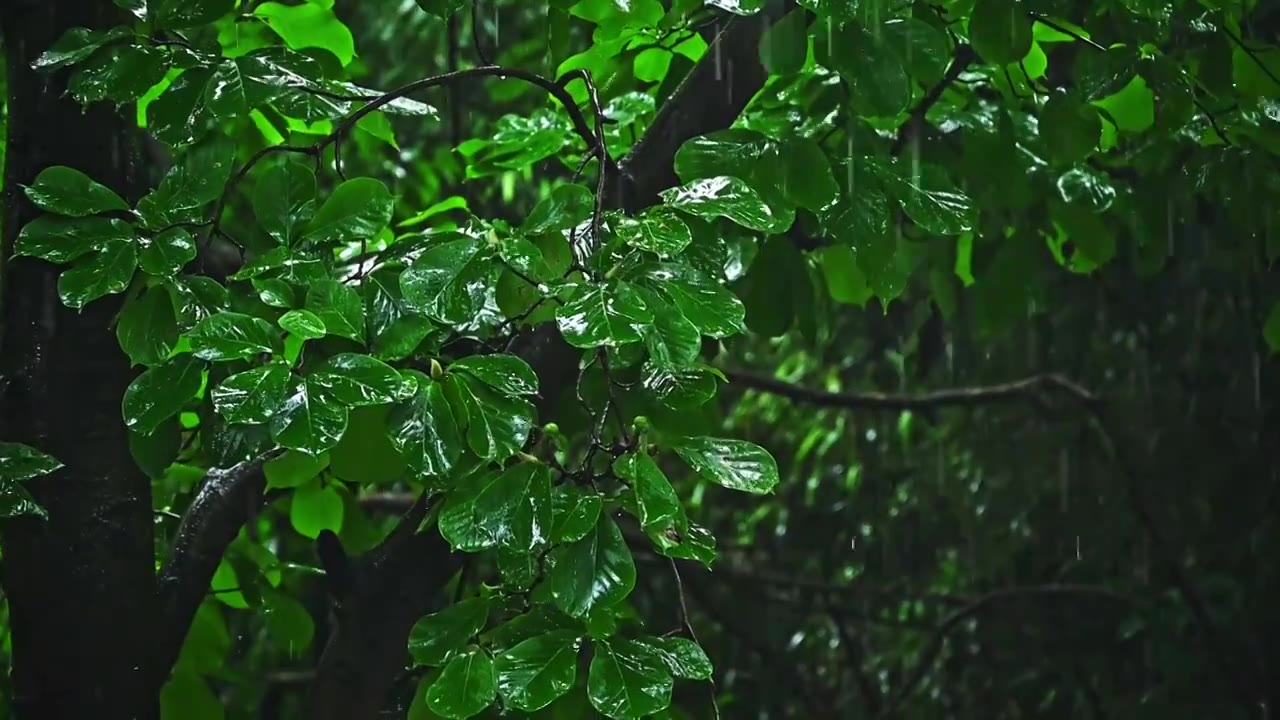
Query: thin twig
{"x": 1037, "y": 17}
{"x": 688, "y": 627}
{"x": 1252, "y": 55}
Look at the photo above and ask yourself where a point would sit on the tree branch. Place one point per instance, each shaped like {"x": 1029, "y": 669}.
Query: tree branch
{"x": 955, "y": 397}
{"x": 225, "y": 500}
{"x": 960, "y": 61}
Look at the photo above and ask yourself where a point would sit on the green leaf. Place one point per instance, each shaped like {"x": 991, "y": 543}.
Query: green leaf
{"x": 288, "y": 623}
{"x": 497, "y": 426}
{"x": 436, "y": 284}
{"x": 1070, "y": 129}
{"x": 309, "y": 421}
{"x": 75, "y": 45}
{"x": 294, "y": 469}
{"x": 574, "y": 513}
{"x": 785, "y": 44}
{"x": 61, "y": 240}
{"x": 284, "y": 201}
{"x": 505, "y": 373}
{"x": 303, "y": 323}
{"x": 711, "y": 307}
{"x": 354, "y": 379}
{"x": 16, "y": 501}
{"x": 735, "y": 464}
{"x": 656, "y": 501}
{"x": 338, "y": 307}
{"x": 358, "y": 208}
{"x": 567, "y": 206}
{"x": 628, "y": 680}
{"x": 366, "y": 453}
{"x": 310, "y": 25}
{"x": 681, "y": 656}
{"x": 879, "y": 85}
{"x": 437, "y": 636}
{"x": 120, "y": 73}
{"x": 658, "y": 231}
{"x": 603, "y": 315}
{"x": 1271, "y": 329}
{"x": 423, "y": 429}
{"x": 165, "y": 254}
{"x": 106, "y": 271}
{"x": 729, "y": 197}
{"x": 736, "y": 7}
{"x": 1000, "y": 31}
{"x": 929, "y": 197}
{"x": 181, "y": 14}
{"x": 20, "y": 462}
{"x": 233, "y": 336}
{"x": 394, "y": 331}
{"x": 596, "y": 571}
{"x": 161, "y": 392}
{"x": 467, "y": 686}
{"x": 845, "y": 280}
{"x": 253, "y": 396}
{"x": 1132, "y": 107}
{"x": 147, "y": 328}
{"x": 188, "y": 696}
{"x": 481, "y": 512}
{"x": 672, "y": 340}
{"x": 315, "y": 507}
{"x": 535, "y": 672}
{"x": 67, "y": 191}
{"x": 196, "y": 181}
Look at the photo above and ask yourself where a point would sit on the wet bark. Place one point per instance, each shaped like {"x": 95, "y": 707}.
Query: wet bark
{"x": 79, "y": 585}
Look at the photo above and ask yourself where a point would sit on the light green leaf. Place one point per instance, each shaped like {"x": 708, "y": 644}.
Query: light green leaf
{"x": 366, "y": 454}
{"x": 309, "y": 421}
{"x": 67, "y": 191}
{"x": 188, "y": 696}
{"x": 288, "y": 623}
{"x": 435, "y": 637}
{"x": 728, "y": 197}
{"x": 294, "y": 469}
{"x": 61, "y": 239}
{"x": 147, "y": 328}
{"x": 161, "y": 392}
{"x": 310, "y": 25}
{"x": 233, "y": 336}
{"x": 506, "y": 373}
{"x": 338, "y": 307}
{"x": 108, "y": 270}
{"x": 467, "y": 686}
{"x": 253, "y": 396}
{"x": 358, "y": 208}
{"x": 628, "y": 680}
{"x": 735, "y": 464}
{"x": 316, "y": 507}
{"x": 609, "y": 316}
{"x": 593, "y": 572}
{"x": 423, "y": 429}
{"x": 535, "y": 672}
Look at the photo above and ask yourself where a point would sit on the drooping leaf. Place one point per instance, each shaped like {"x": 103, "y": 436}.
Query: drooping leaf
{"x": 628, "y": 680}
{"x": 575, "y": 513}
{"x": 659, "y": 506}
{"x": 105, "y": 271}
{"x": 593, "y": 572}
{"x": 284, "y": 201}
{"x": 161, "y": 392}
{"x": 147, "y": 328}
{"x": 61, "y": 239}
{"x": 728, "y": 197}
{"x": 67, "y": 191}
{"x": 20, "y": 462}
{"x": 538, "y": 670}
{"x": 467, "y": 686}
{"x": 735, "y": 464}
{"x": 436, "y": 636}
{"x": 424, "y": 430}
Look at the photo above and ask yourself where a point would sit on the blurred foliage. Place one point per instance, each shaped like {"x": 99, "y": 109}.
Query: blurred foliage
{"x": 985, "y": 289}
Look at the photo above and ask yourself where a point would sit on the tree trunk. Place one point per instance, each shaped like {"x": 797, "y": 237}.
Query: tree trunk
{"x": 79, "y": 585}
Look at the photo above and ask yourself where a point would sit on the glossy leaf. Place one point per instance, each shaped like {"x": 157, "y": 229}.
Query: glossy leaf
{"x": 658, "y": 232}
{"x": 482, "y": 512}
{"x": 608, "y": 316}
{"x": 467, "y": 686}
{"x": 435, "y": 285}
{"x": 496, "y": 425}
{"x": 67, "y": 191}
{"x": 166, "y": 253}
{"x": 424, "y": 430}
{"x": 233, "y": 336}
{"x": 303, "y": 323}
{"x": 161, "y": 392}
{"x": 105, "y": 271}
{"x": 567, "y": 206}
{"x": 353, "y": 380}
{"x": 253, "y": 396}
{"x": 315, "y": 507}
{"x": 358, "y": 208}
{"x": 731, "y": 198}
{"x": 681, "y": 656}
{"x": 712, "y": 308}
{"x": 309, "y": 420}
{"x": 538, "y": 670}
{"x": 436, "y": 636}
{"x": 735, "y": 464}
{"x": 593, "y": 572}
{"x": 147, "y": 328}
{"x": 284, "y": 201}
{"x": 575, "y": 513}
{"x": 20, "y": 462}
{"x": 61, "y": 240}
{"x": 505, "y": 373}
{"x": 628, "y": 680}
{"x": 658, "y": 505}
{"x": 338, "y": 307}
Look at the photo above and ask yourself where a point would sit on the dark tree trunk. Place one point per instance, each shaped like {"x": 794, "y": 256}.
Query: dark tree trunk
{"x": 79, "y": 586}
